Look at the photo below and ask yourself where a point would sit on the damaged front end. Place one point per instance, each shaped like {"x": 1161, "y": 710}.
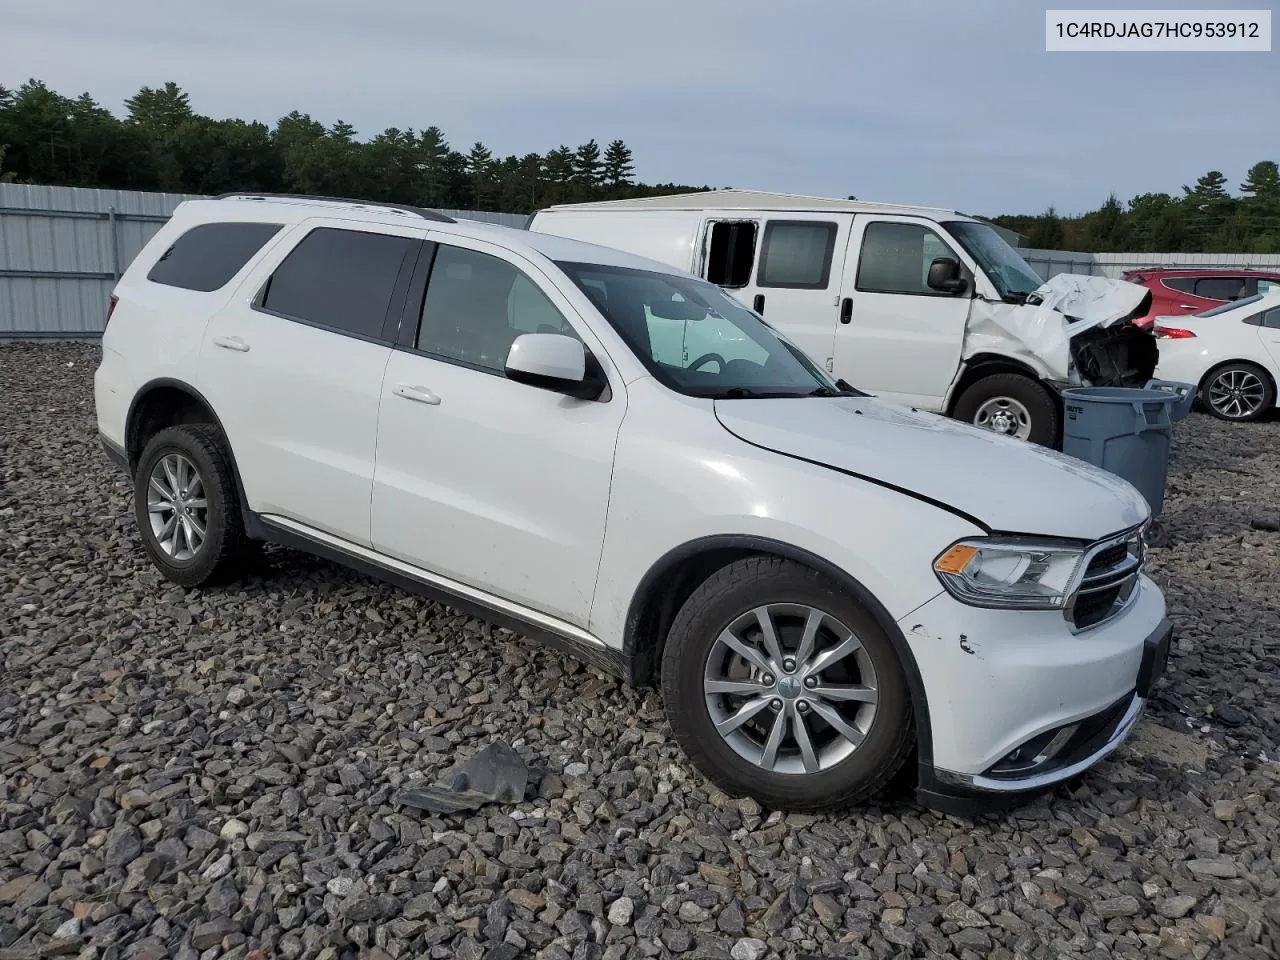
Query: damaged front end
{"x": 1079, "y": 327}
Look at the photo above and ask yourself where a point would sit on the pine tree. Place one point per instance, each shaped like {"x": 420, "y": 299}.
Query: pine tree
{"x": 586, "y": 164}
{"x": 618, "y": 168}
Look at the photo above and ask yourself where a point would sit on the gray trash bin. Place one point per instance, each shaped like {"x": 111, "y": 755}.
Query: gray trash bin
{"x": 1185, "y": 392}
{"x": 1126, "y": 431}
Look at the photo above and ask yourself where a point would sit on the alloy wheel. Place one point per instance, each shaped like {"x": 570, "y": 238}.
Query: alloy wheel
{"x": 790, "y": 688}
{"x": 1237, "y": 394}
{"x": 177, "y": 507}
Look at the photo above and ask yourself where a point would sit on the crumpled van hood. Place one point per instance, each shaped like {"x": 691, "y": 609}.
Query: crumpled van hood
{"x": 1006, "y": 484}
{"x": 1057, "y": 311}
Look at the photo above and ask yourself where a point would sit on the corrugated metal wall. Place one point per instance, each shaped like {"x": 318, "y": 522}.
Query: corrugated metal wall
{"x": 1049, "y": 263}
{"x": 62, "y": 249}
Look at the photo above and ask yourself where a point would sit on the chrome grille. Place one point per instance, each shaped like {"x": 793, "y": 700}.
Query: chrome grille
{"x": 1109, "y": 579}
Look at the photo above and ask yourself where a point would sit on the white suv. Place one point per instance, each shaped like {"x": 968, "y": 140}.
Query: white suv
{"x": 617, "y": 457}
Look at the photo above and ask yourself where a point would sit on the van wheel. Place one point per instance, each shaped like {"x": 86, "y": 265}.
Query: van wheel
{"x": 780, "y": 686}
{"x": 186, "y": 506}
{"x": 1011, "y": 404}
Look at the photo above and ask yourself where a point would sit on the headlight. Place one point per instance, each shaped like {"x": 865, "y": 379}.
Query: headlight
{"x": 1010, "y": 573}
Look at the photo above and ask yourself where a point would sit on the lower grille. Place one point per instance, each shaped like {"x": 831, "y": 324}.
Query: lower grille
{"x": 1111, "y": 571}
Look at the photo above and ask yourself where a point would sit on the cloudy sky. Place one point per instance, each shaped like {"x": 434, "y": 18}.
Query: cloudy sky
{"x": 895, "y": 100}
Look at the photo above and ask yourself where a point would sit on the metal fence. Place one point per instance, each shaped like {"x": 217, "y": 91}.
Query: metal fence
{"x": 1049, "y": 263}
{"x": 63, "y": 248}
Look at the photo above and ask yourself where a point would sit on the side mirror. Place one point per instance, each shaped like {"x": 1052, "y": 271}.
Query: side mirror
{"x": 944, "y": 275}
{"x": 553, "y": 361}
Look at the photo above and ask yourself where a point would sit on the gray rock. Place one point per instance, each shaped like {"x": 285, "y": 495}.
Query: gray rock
{"x": 749, "y": 948}
{"x": 1117, "y": 907}
{"x": 123, "y": 846}
{"x": 621, "y": 910}
{"x": 1176, "y": 907}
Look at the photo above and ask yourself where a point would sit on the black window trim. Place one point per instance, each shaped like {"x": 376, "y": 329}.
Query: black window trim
{"x": 833, "y": 230}
{"x": 931, "y": 227}
{"x": 395, "y": 306}
{"x": 247, "y": 265}
{"x": 409, "y": 320}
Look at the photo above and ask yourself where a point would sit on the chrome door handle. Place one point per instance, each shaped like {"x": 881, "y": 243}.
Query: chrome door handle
{"x": 232, "y": 343}
{"x": 420, "y": 394}
{"x": 1187, "y": 306}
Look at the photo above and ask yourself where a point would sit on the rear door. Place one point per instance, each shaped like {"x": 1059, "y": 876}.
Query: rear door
{"x": 897, "y": 337}
{"x": 788, "y": 268}
{"x": 293, "y": 367}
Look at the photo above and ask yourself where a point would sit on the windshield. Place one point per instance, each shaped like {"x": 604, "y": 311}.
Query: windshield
{"x": 1232, "y": 305}
{"x": 1012, "y": 276}
{"x": 696, "y": 339}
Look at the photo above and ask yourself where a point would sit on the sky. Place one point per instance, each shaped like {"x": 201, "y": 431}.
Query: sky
{"x": 899, "y": 101}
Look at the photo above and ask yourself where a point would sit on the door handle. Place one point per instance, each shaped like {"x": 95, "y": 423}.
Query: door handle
{"x": 846, "y": 309}
{"x": 1187, "y": 306}
{"x": 758, "y": 303}
{"x": 232, "y": 343}
{"x": 420, "y": 394}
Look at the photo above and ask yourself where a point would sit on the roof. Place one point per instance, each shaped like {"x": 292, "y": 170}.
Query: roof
{"x": 292, "y": 208}
{"x": 1187, "y": 271}
{"x": 735, "y": 199}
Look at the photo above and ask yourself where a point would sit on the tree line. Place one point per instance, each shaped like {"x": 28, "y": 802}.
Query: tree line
{"x": 161, "y": 143}
{"x": 1206, "y": 218}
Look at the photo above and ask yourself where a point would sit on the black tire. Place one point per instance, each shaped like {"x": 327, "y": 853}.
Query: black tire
{"x": 863, "y": 776}
{"x": 1242, "y": 369}
{"x": 225, "y": 550}
{"x": 1041, "y": 407}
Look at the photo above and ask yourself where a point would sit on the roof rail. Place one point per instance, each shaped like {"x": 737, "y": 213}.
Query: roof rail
{"x": 422, "y": 212}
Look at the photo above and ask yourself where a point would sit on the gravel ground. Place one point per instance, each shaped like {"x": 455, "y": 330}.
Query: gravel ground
{"x": 214, "y": 774}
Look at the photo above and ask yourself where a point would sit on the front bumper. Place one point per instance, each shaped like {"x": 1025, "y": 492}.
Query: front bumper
{"x": 1011, "y": 714}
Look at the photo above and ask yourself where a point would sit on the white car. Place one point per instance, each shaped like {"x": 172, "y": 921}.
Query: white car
{"x": 1231, "y": 353}
{"x": 618, "y": 458}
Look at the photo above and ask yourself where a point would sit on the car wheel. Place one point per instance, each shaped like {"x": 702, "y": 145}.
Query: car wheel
{"x": 186, "y": 506}
{"x": 780, "y": 686}
{"x": 1238, "y": 392}
{"x": 1011, "y": 404}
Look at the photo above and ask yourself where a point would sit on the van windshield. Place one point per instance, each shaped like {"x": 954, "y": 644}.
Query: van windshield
{"x": 696, "y": 339}
{"x": 1012, "y": 276}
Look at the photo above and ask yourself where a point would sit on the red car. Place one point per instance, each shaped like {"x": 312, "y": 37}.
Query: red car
{"x": 1178, "y": 291}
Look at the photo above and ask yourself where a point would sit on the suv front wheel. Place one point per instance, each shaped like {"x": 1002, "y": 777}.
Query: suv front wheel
{"x": 186, "y": 506}
{"x": 780, "y": 686}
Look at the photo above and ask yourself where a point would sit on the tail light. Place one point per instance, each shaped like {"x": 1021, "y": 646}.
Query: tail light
{"x": 111, "y": 308}
{"x": 1173, "y": 333}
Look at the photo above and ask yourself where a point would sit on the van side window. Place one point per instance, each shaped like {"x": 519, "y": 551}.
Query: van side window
{"x": 895, "y": 258}
{"x": 731, "y": 253}
{"x": 477, "y": 304}
{"x": 796, "y": 254}
{"x": 207, "y": 256}
{"x": 338, "y": 279}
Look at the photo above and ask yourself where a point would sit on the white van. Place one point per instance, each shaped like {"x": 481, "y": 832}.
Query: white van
{"x": 922, "y": 306}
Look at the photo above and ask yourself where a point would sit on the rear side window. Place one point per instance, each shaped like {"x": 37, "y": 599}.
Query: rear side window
{"x": 338, "y": 279}
{"x": 796, "y": 254}
{"x": 1272, "y": 318}
{"x": 731, "y": 253}
{"x": 207, "y": 256}
{"x": 1223, "y": 288}
{"x": 1181, "y": 284}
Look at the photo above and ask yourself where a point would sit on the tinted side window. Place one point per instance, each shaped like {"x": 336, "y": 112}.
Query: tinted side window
{"x": 895, "y": 258}
{"x": 731, "y": 253}
{"x": 477, "y": 304}
{"x": 340, "y": 279}
{"x": 1181, "y": 284}
{"x": 207, "y": 256}
{"x": 1272, "y": 318}
{"x": 796, "y": 254}
{"x": 1221, "y": 288}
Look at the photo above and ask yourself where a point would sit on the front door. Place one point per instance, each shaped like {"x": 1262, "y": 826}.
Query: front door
{"x": 495, "y": 484}
{"x": 897, "y": 337}
{"x": 787, "y": 267}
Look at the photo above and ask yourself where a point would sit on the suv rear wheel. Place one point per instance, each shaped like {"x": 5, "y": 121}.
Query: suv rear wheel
{"x": 780, "y": 686}
{"x": 1012, "y": 404}
{"x": 186, "y": 506}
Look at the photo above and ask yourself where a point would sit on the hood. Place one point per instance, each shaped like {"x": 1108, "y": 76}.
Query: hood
{"x": 1005, "y": 484}
{"x": 1056, "y": 312}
